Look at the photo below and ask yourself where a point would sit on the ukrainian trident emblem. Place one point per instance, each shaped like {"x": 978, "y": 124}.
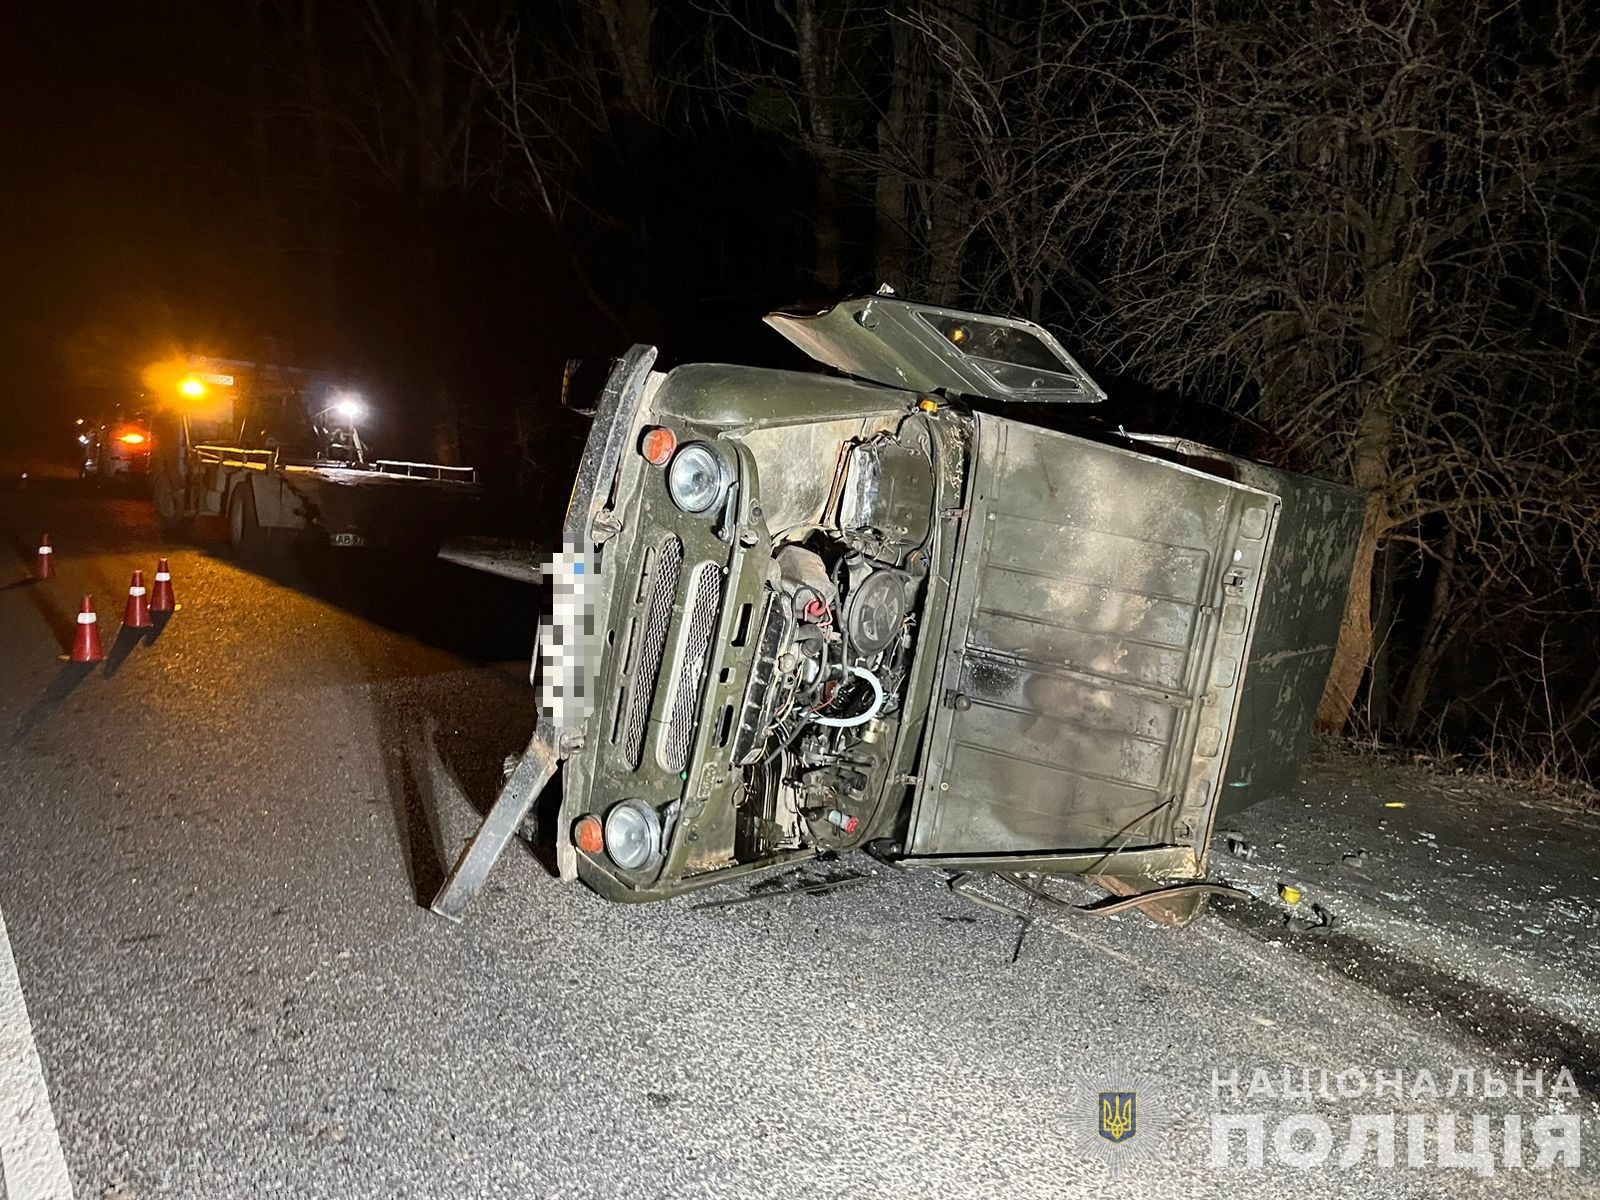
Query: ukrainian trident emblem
{"x": 1119, "y": 1115}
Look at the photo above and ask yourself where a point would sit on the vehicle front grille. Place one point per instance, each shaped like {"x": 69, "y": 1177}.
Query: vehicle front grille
{"x": 647, "y": 664}
{"x": 755, "y": 714}
{"x": 705, "y": 598}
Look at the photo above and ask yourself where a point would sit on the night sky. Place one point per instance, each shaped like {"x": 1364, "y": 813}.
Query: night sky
{"x": 161, "y": 194}
{"x": 167, "y": 192}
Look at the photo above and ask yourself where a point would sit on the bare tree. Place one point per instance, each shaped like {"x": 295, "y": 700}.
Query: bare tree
{"x": 1367, "y": 227}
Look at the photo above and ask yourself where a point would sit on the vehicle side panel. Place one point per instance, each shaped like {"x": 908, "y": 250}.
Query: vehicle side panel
{"x": 1103, "y": 610}
{"x": 1297, "y": 630}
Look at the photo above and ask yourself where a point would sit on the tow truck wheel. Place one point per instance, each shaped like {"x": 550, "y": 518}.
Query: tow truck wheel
{"x": 164, "y": 495}
{"x": 244, "y": 531}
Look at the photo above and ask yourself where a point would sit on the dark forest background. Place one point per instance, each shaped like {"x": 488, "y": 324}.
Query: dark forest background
{"x": 1356, "y": 238}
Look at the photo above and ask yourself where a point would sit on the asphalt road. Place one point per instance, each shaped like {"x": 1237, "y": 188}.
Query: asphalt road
{"x": 215, "y": 852}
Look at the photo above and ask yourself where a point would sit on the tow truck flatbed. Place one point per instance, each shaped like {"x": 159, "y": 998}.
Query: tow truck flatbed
{"x": 277, "y": 453}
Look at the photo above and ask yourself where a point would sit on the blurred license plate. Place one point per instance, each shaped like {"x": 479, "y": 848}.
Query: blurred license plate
{"x": 346, "y": 539}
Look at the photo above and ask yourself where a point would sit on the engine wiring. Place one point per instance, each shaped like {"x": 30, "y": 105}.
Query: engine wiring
{"x": 826, "y": 621}
{"x": 860, "y": 718}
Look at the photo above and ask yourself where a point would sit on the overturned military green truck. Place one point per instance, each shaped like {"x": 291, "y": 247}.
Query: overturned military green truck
{"x": 801, "y": 613}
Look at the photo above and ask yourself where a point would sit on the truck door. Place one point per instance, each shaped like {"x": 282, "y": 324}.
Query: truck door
{"x": 1094, "y": 648}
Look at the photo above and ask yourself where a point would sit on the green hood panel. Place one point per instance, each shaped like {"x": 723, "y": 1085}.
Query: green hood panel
{"x": 718, "y": 395}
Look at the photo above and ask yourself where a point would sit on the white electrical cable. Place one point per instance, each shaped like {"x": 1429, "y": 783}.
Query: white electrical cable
{"x": 872, "y": 709}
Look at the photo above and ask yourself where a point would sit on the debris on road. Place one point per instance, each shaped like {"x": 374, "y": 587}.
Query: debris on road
{"x": 1238, "y": 846}
{"x": 1032, "y": 886}
{"x": 1318, "y": 924}
{"x": 812, "y": 887}
{"x": 1525, "y": 863}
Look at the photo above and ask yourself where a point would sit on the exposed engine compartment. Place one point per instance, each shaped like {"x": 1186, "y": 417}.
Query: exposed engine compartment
{"x": 838, "y": 634}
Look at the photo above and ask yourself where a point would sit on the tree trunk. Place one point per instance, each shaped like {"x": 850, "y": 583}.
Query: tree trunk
{"x": 890, "y": 244}
{"x": 1436, "y": 637}
{"x": 816, "y": 79}
{"x": 628, "y": 26}
{"x": 1381, "y": 684}
{"x": 1354, "y": 651}
{"x": 433, "y": 165}
{"x": 1370, "y": 468}
{"x": 1387, "y": 274}
{"x": 949, "y": 202}
{"x": 946, "y": 207}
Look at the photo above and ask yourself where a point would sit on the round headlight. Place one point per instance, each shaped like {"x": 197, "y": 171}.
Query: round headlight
{"x": 696, "y": 479}
{"x": 633, "y": 835}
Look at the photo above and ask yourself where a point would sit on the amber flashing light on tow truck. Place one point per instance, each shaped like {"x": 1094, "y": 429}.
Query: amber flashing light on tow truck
{"x": 131, "y": 439}
{"x": 192, "y": 388}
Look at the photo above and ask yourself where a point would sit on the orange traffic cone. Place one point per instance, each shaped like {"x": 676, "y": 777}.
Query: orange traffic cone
{"x": 161, "y": 594}
{"x": 137, "y": 614}
{"x": 44, "y": 566}
{"x": 86, "y": 645}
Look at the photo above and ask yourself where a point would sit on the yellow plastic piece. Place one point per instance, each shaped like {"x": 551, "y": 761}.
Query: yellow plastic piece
{"x": 1290, "y": 893}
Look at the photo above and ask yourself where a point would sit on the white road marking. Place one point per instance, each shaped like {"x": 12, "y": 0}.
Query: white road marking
{"x": 32, "y": 1166}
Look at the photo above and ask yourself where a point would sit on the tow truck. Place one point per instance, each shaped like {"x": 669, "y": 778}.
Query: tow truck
{"x": 114, "y": 446}
{"x": 276, "y": 452}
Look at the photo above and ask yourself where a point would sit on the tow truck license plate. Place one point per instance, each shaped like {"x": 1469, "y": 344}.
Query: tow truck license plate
{"x": 346, "y": 539}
